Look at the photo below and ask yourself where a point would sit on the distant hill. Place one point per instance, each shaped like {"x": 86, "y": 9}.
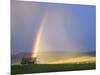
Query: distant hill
{"x": 50, "y": 55}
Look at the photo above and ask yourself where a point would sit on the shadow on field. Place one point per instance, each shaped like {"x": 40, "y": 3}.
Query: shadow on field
{"x": 41, "y": 68}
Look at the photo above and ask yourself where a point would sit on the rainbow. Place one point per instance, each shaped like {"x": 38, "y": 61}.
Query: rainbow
{"x": 35, "y": 46}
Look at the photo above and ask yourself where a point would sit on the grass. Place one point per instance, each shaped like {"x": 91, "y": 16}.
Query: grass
{"x": 40, "y": 68}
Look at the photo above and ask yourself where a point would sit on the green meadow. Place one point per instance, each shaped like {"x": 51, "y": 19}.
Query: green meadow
{"x": 42, "y": 68}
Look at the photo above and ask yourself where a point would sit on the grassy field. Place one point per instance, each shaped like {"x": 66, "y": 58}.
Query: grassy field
{"x": 40, "y": 68}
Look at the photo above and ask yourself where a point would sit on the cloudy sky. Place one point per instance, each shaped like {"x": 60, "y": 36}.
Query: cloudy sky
{"x": 67, "y": 27}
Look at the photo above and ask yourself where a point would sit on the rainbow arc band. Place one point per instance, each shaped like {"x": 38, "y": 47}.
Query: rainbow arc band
{"x": 35, "y": 46}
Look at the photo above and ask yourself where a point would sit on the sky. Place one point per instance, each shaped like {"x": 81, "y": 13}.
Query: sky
{"x": 67, "y": 26}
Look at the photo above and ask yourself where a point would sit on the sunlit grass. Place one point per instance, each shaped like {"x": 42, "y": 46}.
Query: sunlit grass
{"x": 75, "y": 60}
